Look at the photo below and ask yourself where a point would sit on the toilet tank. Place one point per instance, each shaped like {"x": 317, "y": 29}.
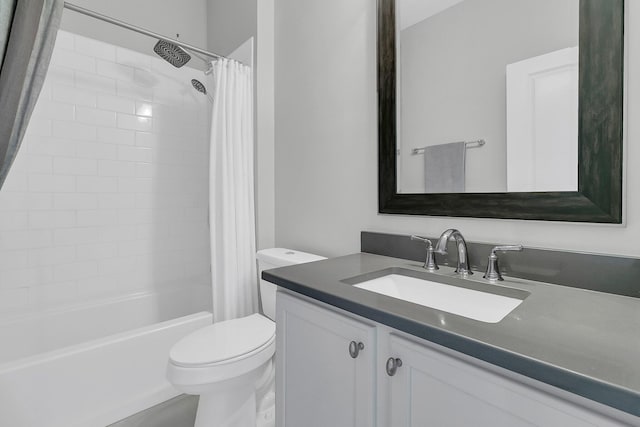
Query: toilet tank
{"x": 273, "y": 258}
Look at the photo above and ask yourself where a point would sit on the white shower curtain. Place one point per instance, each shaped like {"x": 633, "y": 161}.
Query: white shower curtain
{"x": 231, "y": 196}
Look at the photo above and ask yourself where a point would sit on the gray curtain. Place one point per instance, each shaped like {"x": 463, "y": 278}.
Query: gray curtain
{"x": 28, "y": 31}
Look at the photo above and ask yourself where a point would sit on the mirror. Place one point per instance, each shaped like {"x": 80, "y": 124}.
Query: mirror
{"x": 499, "y": 118}
{"x": 501, "y": 108}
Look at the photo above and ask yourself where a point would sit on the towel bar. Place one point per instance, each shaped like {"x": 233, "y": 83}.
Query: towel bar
{"x": 468, "y": 144}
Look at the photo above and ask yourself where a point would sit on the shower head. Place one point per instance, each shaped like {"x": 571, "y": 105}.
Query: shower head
{"x": 197, "y": 85}
{"x": 173, "y": 54}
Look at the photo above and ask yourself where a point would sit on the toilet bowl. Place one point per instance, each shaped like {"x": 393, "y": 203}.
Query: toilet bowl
{"x": 223, "y": 363}
{"x": 228, "y": 362}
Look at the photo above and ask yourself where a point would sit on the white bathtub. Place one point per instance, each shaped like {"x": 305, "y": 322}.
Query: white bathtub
{"x": 95, "y": 382}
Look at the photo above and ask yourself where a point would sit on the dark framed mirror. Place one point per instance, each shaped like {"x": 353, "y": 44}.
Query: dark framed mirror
{"x": 599, "y": 132}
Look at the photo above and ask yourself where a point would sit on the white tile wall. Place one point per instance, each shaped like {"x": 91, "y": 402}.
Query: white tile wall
{"x": 108, "y": 194}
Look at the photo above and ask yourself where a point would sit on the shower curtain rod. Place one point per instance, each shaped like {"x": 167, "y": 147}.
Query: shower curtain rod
{"x": 122, "y": 24}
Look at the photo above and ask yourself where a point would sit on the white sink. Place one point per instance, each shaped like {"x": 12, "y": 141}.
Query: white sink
{"x": 477, "y": 305}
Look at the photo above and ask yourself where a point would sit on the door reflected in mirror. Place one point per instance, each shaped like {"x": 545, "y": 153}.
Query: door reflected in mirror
{"x": 487, "y": 96}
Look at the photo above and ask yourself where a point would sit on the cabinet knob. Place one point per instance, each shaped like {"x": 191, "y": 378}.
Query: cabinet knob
{"x": 392, "y": 366}
{"x": 354, "y": 348}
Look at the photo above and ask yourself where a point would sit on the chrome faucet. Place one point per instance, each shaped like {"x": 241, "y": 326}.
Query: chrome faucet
{"x": 463, "y": 266}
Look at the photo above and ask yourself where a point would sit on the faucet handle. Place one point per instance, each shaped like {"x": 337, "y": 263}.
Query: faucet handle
{"x": 430, "y": 260}
{"x": 421, "y": 239}
{"x": 493, "y": 270}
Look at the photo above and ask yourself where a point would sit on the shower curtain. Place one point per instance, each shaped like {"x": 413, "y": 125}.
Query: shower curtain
{"x": 231, "y": 195}
{"x": 28, "y": 30}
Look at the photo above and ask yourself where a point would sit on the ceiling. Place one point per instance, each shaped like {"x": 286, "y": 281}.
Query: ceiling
{"x": 413, "y": 11}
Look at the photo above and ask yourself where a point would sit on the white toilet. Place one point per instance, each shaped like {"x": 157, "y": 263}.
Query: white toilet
{"x": 226, "y": 363}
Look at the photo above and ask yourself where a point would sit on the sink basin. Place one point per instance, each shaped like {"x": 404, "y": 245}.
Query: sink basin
{"x": 483, "y": 306}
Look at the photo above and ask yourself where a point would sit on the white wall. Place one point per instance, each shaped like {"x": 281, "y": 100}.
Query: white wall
{"x": 326, "y": 142}
{"x": 108, "y": 194}
{"x": 265, "y": 132}
{"x": 188, "y": 18}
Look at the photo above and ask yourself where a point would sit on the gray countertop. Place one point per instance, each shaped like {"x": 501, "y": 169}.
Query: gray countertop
{"x": 581, "y": 341}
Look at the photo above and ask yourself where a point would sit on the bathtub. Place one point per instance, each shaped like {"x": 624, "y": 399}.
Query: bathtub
{"x": 95, "y": 381}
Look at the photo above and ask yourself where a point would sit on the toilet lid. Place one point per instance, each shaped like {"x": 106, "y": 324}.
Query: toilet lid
{"x": 223, "y": 341}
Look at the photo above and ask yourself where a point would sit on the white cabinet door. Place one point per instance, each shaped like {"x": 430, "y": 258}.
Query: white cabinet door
{"x": 435, "y": 389}
{"x": 318, "y": 382}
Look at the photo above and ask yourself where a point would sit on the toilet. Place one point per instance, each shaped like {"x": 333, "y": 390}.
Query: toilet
{"x": 230, "y": 364}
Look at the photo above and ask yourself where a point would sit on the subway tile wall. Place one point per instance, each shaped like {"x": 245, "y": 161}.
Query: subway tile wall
{"x": 108, "y": 195}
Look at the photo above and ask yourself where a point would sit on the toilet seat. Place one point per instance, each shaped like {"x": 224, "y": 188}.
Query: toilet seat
{"x": 222, "y": 351}
{"x": 224, "y": 342}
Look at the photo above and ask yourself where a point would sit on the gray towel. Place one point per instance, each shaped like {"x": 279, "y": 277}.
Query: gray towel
{"x": 444, "y": 168}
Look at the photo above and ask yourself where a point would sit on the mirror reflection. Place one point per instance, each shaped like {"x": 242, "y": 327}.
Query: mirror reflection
{"x": 487, "y": 96}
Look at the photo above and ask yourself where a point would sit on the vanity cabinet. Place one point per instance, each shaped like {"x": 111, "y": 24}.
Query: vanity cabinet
{"x": 325, "y": 367}
{"x": 398, "y": 380}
